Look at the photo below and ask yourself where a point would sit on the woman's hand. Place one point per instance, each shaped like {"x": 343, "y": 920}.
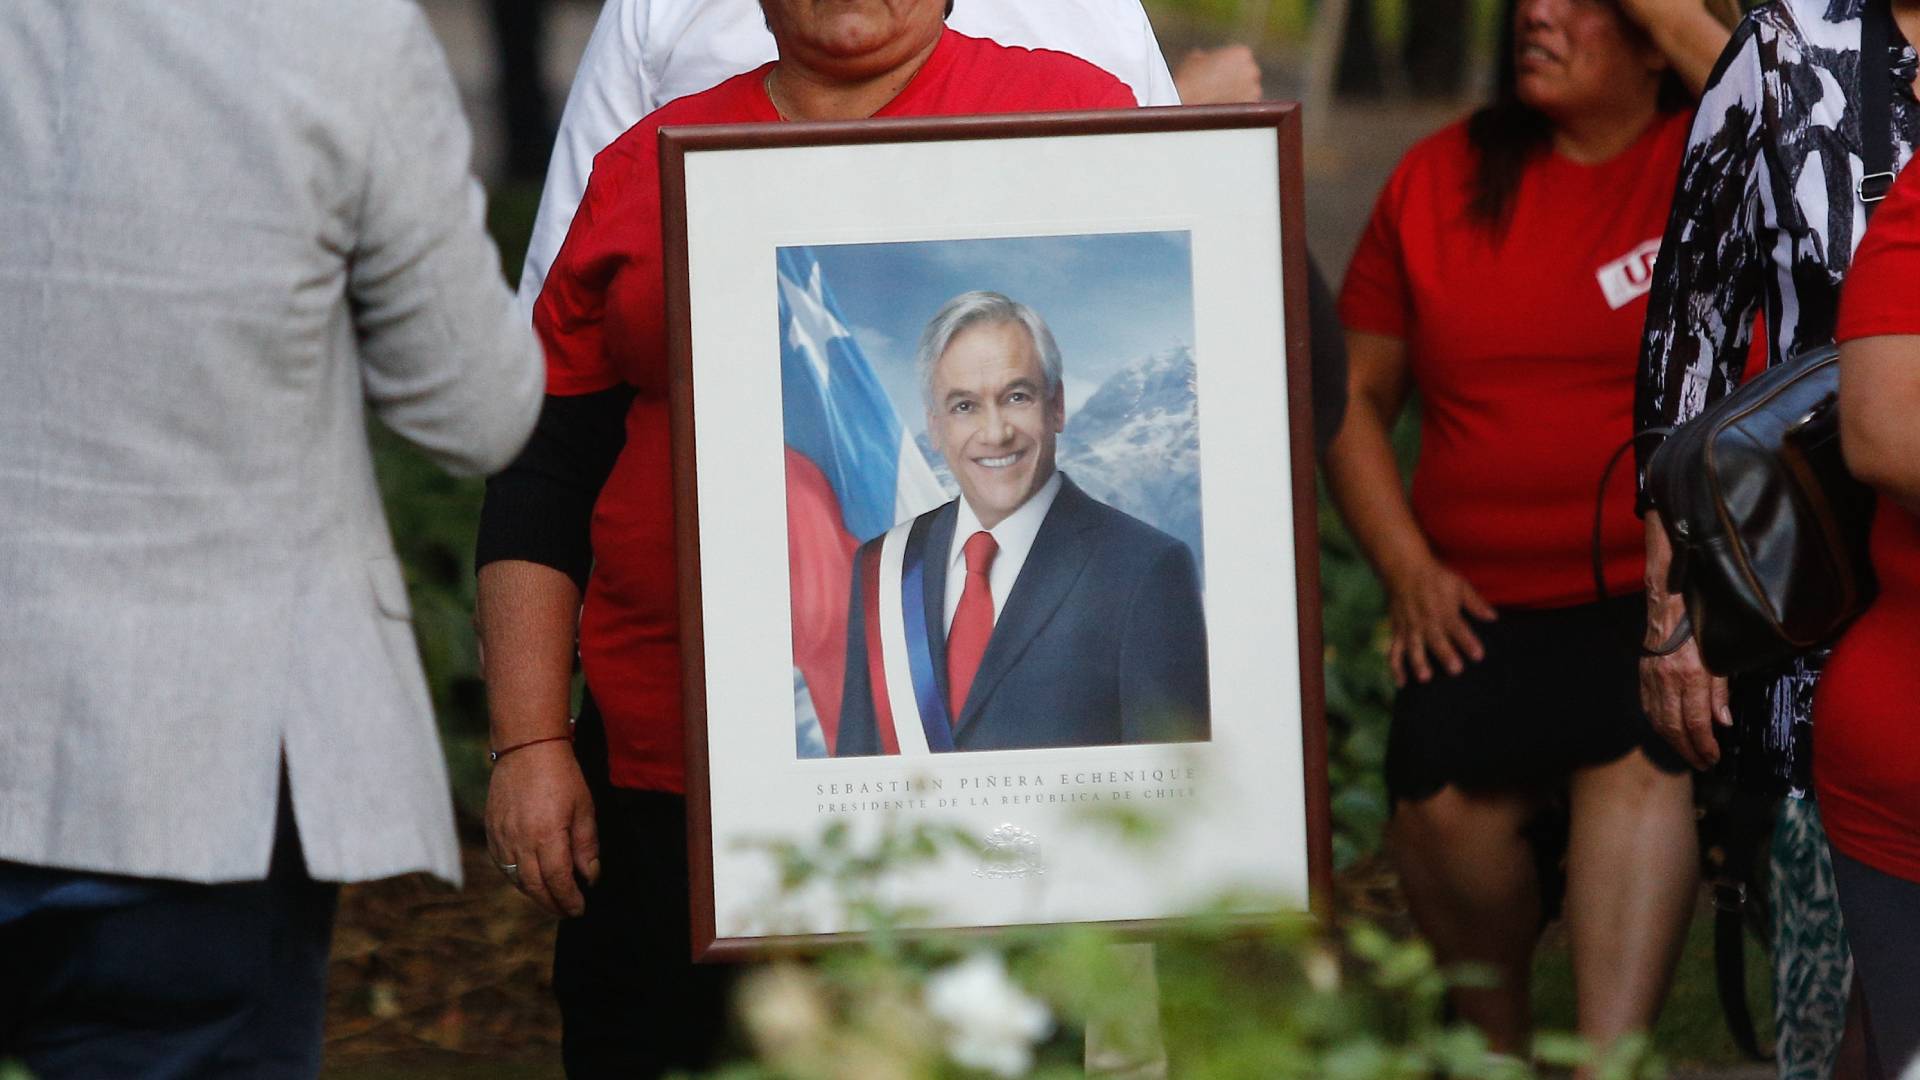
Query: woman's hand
{"x": 540, "y": 821}
{"x": 1425, "y": 604}
{"x": 1682, "y": 698}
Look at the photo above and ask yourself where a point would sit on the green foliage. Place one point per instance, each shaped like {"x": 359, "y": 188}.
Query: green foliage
{"x": 1223, "y": 995}
{"x": 1359, "y": 685}
{"x": 510, "y": 212}
{"x": 1359, "y": 692}
{"x": 13, "y": 1070}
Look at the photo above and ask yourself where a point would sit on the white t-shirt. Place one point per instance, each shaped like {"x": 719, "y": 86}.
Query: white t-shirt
{"x": 645, "y": 53}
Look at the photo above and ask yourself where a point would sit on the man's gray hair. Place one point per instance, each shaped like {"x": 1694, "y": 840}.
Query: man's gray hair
{"x": 983, "y": 308}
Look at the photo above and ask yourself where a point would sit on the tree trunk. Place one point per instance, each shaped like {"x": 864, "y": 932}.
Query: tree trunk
{"x": 1435, "y": 48}
{"x": 1359, "y": 71}
{"x": 518, "y": 36}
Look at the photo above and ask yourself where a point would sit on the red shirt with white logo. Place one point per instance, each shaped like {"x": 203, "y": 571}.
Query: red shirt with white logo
{"x": 1866, "y": 711}
{"x": 1523, "y": 347}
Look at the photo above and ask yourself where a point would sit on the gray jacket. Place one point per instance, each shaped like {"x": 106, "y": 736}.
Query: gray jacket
{"x": 226, "y": 231}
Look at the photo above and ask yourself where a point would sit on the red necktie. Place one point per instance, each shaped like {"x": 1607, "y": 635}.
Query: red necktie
{"x": 972, "y": 623}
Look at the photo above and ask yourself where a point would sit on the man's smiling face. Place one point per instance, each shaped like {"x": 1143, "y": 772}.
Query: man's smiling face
{"x": 993, "y": 418}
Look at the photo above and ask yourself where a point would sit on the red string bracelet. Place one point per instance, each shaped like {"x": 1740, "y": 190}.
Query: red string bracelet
{"x": 494, "y": 756}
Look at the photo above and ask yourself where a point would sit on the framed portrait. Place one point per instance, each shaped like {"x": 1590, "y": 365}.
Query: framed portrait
{"x": 996, "y": 511}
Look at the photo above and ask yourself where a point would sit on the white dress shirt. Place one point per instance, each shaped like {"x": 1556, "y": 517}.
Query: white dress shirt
{"x": 1014, "y": 535}
{"x": 645, "y": 53}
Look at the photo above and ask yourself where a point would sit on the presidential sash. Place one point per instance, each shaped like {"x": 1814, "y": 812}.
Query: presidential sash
{"x": 908, "y": 710}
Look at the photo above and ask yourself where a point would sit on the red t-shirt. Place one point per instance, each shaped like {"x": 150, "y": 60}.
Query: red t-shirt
{"x": 602, "y": 318}
{"x": 1524, "y": 350}
{"x": 1866, "y": 730}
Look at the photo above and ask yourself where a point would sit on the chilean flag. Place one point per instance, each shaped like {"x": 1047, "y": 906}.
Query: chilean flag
{"x": 853, "y": 471}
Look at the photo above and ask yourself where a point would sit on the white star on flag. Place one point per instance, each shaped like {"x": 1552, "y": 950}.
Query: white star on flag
{"x": 812, "y": 325}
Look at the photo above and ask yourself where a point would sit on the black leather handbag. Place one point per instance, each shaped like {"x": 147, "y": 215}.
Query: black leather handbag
{"x": 1768, "y": 528}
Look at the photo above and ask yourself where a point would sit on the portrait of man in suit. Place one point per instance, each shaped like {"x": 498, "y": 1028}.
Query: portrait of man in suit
{"x": 1024, "y": 613}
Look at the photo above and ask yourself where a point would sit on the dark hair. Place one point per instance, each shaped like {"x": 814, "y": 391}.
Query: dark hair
{"x": 1507, "y": 133}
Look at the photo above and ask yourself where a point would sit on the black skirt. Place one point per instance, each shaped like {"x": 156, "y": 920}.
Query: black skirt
{"x": 1558, "y": 691}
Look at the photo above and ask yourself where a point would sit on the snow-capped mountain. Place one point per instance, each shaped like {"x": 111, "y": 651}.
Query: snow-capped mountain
{"x": 1135, "y": 444}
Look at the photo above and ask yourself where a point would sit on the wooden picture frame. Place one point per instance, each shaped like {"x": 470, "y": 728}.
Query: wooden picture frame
{"x": 1100, "y": 195}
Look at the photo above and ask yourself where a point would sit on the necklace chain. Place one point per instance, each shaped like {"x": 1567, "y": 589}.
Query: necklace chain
{"x": 766, "y": 83}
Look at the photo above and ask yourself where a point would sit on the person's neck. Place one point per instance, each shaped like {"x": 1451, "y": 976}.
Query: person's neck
{"x": 1594, "y": 137}
{"x": 800, "y": 92}
{"x": 1907, "y": 14}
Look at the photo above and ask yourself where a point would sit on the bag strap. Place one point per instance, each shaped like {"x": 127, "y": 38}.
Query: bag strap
{"x": 1730, "y": 975}
{"x": 1682, "y": 633}
{"x": 1735, "y": 826}
{"x": 1877, "y": 35}
{"x": 1596, "y": 549}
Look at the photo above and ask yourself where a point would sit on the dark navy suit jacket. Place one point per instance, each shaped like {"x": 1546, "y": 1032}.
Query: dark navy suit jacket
{"x": 1101, "y": 642}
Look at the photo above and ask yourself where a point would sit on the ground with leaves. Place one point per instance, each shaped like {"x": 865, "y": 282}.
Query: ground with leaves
{"x": 426, "y": 978}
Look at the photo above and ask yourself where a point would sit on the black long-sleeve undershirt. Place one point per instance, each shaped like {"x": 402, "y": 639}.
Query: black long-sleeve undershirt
{"x": 540, "y": 508}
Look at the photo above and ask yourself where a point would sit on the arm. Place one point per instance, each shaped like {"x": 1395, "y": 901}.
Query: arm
{"x": 611, "y": 92}
{"x": 534, "y": 555}
{"x": 447, "y": 361}
{"x": 1227, "y": 75}
{"x": 1163, "y": 657}
{"x": 1685, "y": 32}
{"x": 1713, "y": 261}
{"x": 1425, "y": 598}
{"x": 1879, "y": 398}
{"x": 539, "y": 814}
{"x": 1699, "y": 321}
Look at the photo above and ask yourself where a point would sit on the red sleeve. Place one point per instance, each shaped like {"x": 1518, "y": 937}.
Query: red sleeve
{"x": 570, "y": 314}
{"x": 1114, "y": 95}
{"x": 1878, "y": 297}
{"x": 1374, "y": 298}
{"x": 1049, "y": 80}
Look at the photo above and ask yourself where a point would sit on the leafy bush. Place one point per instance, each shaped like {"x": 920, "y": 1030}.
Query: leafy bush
{"x": 1221, "y": 996}
{"x": 1359, "y": 685}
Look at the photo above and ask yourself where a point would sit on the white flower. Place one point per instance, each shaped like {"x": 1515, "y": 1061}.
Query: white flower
{"x": 991, "y": 1023}
{"x": 1322, "y": 968}
{"x": 783, "y": 1009}
{"x": 1913, "y": 1070}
